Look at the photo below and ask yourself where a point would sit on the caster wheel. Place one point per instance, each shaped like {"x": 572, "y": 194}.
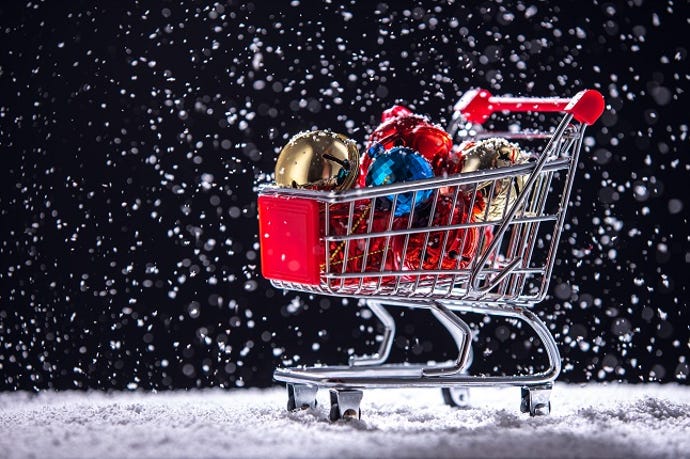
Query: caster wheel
{"x": 542, "y": 409}
{"x": 334, "y": 415}
{"x": 345, "y": 404}
{"x": 301, "y": 397}
{"x": 457, "y": 397}
{"x": 292, "y": 405}
{"x": 535, "y": 400}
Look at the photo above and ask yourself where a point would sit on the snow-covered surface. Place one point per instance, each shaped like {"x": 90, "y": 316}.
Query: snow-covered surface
{"x": 587, "y": 421}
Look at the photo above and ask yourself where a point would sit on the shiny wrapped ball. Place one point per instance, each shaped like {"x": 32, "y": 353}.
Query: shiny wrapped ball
{"x": 394, "y": 112}
{"x": 394, "y": 131}
{"x": 400, "y": 127}
{"x": 491, "y": 154}
{"x": 362, "y": 254}
{"x": 446, "y": 249}
{"x": 399, "y": 164}
{"x": 432, "y": 142}
{"x": 451, "y": 164}
{"x": 318, "y": 160}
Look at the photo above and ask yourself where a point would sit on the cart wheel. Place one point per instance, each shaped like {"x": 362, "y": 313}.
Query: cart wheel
{"x": 334, "y": 415}
{"x": 345, "y": 404}
{"x": 457, "y": 397}
{"x": 535, "y": 400}
{"x": 301, "y": 396}
{"x": 292, "y": 406}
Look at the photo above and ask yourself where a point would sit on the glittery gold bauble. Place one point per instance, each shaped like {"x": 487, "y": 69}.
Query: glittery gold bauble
{"x": 318, "y": 160}
{"x": 492, "y": 154}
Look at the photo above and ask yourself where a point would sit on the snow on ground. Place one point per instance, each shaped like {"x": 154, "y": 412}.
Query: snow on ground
{"x": 586, "y": 421}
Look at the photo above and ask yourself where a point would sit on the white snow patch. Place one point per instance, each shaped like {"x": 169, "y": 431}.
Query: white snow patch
{"x": 587, "y": 421}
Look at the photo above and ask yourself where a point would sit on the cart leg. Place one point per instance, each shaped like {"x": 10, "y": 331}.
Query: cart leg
{"x": 345, "y": 404}
{"x": 462, "y": 335}
{"x": 547, "y": 340}
{"x": 301, "y": 396}
{"x": 535, "y": 399}
{"x": 388, "y": 333}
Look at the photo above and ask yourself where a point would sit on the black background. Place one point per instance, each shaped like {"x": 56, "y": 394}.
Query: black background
{"x": 134, "y": 134}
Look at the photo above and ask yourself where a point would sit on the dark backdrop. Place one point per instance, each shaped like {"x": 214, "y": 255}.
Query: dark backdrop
{"x": 134, "y": 134}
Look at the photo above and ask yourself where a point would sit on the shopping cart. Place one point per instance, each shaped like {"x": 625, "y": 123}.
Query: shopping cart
{"x": 353, "y": 244}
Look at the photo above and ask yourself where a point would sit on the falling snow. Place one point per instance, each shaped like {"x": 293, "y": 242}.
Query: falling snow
{"x": 135, "y": 138}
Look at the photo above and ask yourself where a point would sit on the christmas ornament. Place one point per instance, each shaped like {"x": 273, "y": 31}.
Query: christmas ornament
{"x": 492, "y": 154}
{"x": 397, "y": 165}
{"x": 363, "y": 254}
{"x": 401, "y": 127}
{"x": 394, "y": 112}
{"x": 390, "y": 133}
{"x": 445, "y": 249}
{"x": 431, "y": 141}
{"x": 451, "y": 164}
{"x": 319, "y": 160}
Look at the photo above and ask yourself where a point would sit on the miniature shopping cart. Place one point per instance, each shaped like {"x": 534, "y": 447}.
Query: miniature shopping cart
{"x": 349, "y": 244}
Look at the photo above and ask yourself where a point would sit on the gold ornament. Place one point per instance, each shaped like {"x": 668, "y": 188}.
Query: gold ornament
{"x": 492, "y": 154}
{"x": 318, "y": 160}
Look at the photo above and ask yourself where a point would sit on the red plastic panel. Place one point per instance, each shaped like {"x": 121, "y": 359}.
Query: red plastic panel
{"x": 291, "y": 249}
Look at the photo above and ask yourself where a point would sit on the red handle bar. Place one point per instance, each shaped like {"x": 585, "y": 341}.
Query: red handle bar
{"x": 477, "y": 105}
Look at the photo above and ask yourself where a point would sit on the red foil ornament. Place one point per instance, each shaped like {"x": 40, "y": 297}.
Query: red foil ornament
{"x": 394, "y": 112}
{"x": 430, "y": 141}
{"x": 451, "y": 163}
{"x": 446, "y": 249}
{"x": 358, "y": 256}
{"x": 401, "y": 127}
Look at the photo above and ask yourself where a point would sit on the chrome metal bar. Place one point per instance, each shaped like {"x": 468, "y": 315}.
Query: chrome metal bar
{"x": 346, "y": 250}
{"x": 446, "y": 235}
{"x": 430, "y": 272}
{"x": 387, "y": 376}
{"x": 466, "y": 178}
{"x": 387, "y": 235}
{"x": 461, "y": 334}
{"x": 301, "y": 396}
{"x": 565, "y": 199}
{"x": 513, "y": 135}
{"x": 402, "y": 232}
{"x": 327, "y": 220}
{"x": 386, "y": 344}
{"x": 517, "y": 231}
{"x": 473, "y": 199}
{"x": 538, "y": 206}
{"x": 503, "y": 227}
{"x": 432, "y": 214}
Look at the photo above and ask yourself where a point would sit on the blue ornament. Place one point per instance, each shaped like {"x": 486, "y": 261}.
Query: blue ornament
{"x": 399, "y": 164}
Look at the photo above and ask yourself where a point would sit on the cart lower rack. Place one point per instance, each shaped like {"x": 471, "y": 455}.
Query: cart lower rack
{"x": 445, "y": 256}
